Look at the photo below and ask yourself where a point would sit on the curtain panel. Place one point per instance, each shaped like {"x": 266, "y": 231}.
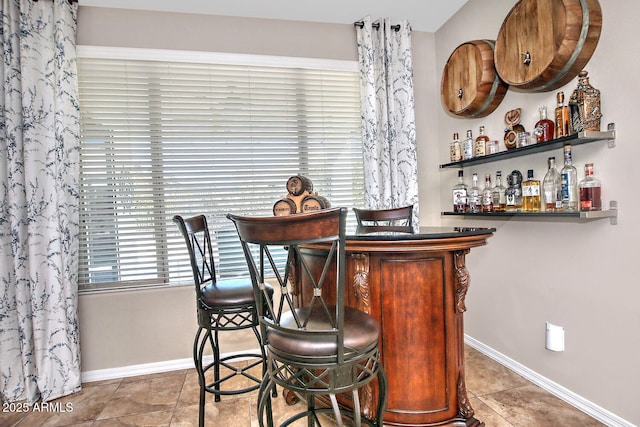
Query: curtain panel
{"x": 39, "y": 349}
{"x": 388, "y": 117}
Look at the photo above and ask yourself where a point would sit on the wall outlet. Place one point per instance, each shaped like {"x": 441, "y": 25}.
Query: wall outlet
{"x": 554, "y": 337}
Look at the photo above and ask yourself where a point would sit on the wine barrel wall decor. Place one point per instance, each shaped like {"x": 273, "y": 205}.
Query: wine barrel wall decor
{"x": 470, "y": 85}
{"x": 544, "y": 44}
{"x": 541, "y": 46}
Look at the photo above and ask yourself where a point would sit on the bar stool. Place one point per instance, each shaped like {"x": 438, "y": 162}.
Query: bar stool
{"x": 225, "y": 305}
{"x": 316, "y": 346}
{"x": 385, "y": 217}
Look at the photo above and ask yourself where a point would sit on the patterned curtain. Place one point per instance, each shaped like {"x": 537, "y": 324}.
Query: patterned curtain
{"x": 39, "y": 349}
{"x": 388, "y": 117}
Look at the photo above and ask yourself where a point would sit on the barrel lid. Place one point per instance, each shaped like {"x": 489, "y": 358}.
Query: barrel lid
{"x": 470, "y": 85}
{"x": 543, "y": 44}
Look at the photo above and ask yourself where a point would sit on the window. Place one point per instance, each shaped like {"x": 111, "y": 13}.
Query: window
{"x": 165, "y": 133}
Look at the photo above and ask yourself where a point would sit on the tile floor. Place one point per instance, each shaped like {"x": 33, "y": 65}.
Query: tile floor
{"x": 500, "y": 398}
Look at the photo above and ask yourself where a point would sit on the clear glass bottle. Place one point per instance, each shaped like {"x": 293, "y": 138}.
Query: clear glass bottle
{"x": 590, "y": 190}
{"x": 460, "y": 193}
{"x": 552, "y": 187}
{"x": 513, "y": 193}
{"x": 531, "y": 193}
{"x": 563, "y": 122}
{"x": 455, "y": 148}
{"x": 479, "y": 149}
{"x": 497, "y": 194}
{"x": 584, "y": 105}
{"x": 486, "y": 197}
{"x": 523, "y": 139}
{"x": 569, "y": 177}
{"x": 544, "y": 129}
{"x": 467, "y": 146}
{"x": 491, "y": 147}
{"x": 474, "y": 196}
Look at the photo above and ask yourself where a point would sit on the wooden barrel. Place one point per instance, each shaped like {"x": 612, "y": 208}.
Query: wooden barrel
{"x": 284, "y": 207}
{"x": 543, "y": 44}
{"x": 470, "y": 85}
{"x": 314, "y": 203}
{"x": 296, "y": 185}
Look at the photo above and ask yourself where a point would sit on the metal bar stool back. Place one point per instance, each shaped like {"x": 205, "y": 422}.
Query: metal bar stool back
{"x": 225, "y": 305}
{"x": 395, "y": 219}
{"x": 315, "y": 345}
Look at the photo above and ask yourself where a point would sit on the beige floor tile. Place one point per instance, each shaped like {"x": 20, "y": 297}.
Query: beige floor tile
{"x": 80, "y": 407}
{"x": 487, "y": 415}
{"x": 485, "y": 376}
{"x": 232, "y": 413}
{"x": 529, "y": 405}
{"x": 147, "y": 419}
{"x": 144, "y": 396}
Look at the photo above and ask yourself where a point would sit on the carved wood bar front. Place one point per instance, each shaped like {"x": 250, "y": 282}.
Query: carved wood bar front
{"x": 415, "y": 286}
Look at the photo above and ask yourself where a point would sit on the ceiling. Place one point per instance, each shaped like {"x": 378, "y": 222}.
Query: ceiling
{"x": 423, "y": 15}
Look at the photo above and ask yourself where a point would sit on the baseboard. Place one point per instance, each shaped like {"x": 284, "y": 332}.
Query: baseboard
{"x": 557, "y": 390}
{"x": 149, "y": 368}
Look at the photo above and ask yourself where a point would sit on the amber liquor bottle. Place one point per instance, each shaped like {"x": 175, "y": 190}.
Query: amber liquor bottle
{"x": 531, "y": 193}
{"x": 545, "y": 128}
{"x": 480, "y": 143}
{"x": 563, "y": 121}
{"x": 455, "y": 149}
{"x": 590, "y": 191}
{"x": 498, "y": 195}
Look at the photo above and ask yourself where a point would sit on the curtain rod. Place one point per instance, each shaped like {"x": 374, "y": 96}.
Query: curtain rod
{"x": 376, "y": 25}
{"x": 68, "y": 1}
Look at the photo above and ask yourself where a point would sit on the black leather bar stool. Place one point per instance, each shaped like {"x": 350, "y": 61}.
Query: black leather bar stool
{"x": 316, "y": 346}
{"x": 225, "y": 305}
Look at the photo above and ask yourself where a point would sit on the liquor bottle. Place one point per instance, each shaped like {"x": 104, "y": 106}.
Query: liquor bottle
{"x": 513, "y": 193}
{"x": 552, "y": 188}
{"x": 467, "y": 146}
{"x": 480, "y": 144}
{"x": 569, "y": 177}
{"x": 562, "y": 125}
{"x": 474, "y": 196}
{"x": 545, "y": 128}
{"x": 590, "y": 190}
{"x": 460, "y": 192}
{"x": 455, "y": 149}
{"x": 531, "y": 193}
{"x": 584, "y": 105}
{"x": 486, "y": 197}
{"x": 497, "y": 194}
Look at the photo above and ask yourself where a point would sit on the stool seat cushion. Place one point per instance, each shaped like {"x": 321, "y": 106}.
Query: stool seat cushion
{"x": 228, "y": 293}
{"x": 361, "y": 332}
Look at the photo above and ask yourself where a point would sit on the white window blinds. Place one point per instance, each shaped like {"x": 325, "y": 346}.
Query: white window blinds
{"x": 162, "y": 137}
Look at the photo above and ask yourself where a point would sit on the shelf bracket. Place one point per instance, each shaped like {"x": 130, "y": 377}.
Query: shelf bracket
{"x": 613, "y": 207}
{"x": 611, "y": 127}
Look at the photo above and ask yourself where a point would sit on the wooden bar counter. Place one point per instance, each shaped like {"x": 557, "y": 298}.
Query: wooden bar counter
{"x": 414, "y": 284}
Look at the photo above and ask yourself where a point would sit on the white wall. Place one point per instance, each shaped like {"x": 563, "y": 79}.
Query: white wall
{"x": 577, "y": 275}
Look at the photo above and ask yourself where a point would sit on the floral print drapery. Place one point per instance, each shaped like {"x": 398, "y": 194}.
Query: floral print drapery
{"x": 39, "y": 349}
{"x": 388, "y": 117}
